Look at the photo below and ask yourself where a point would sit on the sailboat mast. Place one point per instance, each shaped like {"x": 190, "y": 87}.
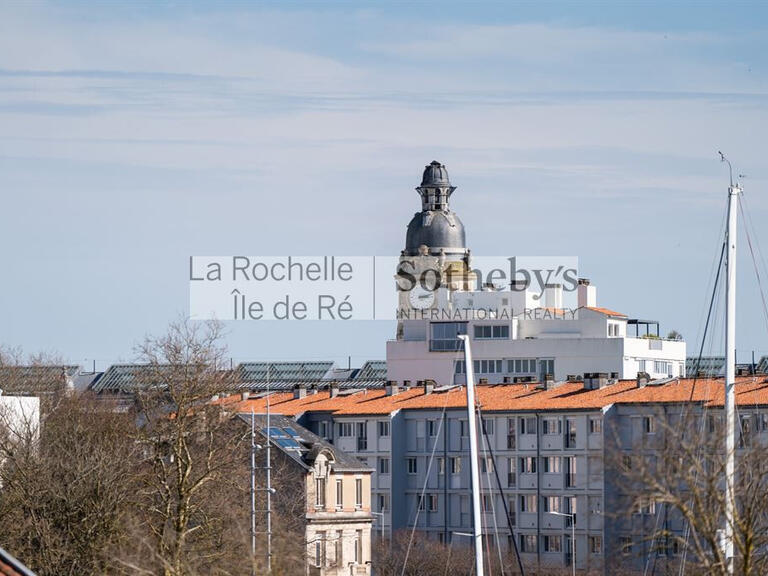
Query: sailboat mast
{"x": 474, "y": 465}
{"x": 730, "y": 372}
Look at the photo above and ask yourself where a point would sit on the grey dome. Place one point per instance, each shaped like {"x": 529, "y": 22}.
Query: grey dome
{"x": 437, "y": 230}
{"x": 435, "y": 227}
{"x": 435, "y": 174}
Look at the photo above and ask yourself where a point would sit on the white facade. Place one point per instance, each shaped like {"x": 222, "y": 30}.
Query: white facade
{"x": 20, "y": 414}
{"x": 513, "y": 342}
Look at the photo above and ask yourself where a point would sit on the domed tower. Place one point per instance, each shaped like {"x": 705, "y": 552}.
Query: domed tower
{"x": 436, "y": 226}
{"x": 435, "y": 248}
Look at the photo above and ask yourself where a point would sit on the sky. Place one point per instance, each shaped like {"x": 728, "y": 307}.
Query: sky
{"x": 135, "y": 135}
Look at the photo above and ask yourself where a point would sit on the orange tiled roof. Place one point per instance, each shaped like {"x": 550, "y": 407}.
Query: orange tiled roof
{"x": 605, "y": 311}
{"x": 512, "y": 397}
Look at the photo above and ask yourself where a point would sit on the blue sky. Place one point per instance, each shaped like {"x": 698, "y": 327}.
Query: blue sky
{"x": 135, "y": 135}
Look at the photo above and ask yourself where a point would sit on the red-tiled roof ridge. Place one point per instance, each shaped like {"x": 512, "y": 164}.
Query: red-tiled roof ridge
{"x": 606, "y": 311}
{"x": 516, "y": 397}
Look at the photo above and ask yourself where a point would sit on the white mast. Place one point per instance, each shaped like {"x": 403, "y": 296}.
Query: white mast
{"x": 730, "y": 369}
{"x": 474, "y": 465}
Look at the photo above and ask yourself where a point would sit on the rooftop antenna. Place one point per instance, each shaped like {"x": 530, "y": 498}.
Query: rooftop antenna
{"x": 730, "y": 168}
{"x": 734, "y": 190}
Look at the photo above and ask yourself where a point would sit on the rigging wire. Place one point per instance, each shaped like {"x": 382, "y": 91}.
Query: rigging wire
{"x": 486, "y": 444}
{"x": 420, "y": 500}
{"x": 504, "y": 503}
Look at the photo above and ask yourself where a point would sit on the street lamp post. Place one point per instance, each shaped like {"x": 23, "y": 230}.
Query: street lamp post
{"x": 573, "y": 536}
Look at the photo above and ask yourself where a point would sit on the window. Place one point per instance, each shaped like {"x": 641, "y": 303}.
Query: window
{"x": 595, "y": 505}
{"x": 440, "y": 466}
{"x": 511, "y": 443}
{"x": 661, "y": 367}
{"x": 339, "y": 493}
{"x": 432, "y": 502}
{"x": 626, "y": 462}
{"x": 422, "y": 502}
{"x": 551, "y": 503}
{"x": 570, "y": 471}
{"x": 456, "y": 465}
{"x": 527, "y": 502}
{"x": 345, "y": 429}
{"x": 649, "y": 425}
{"x": 553, "y": 543}
{"x": 625, "y": 543}
{"x": 383, "y": 501}
{"x": 528, "y": 543}
{"x": 358, "y": 493}
{"x": 546, "y": 367}
{"x": 488, "y": 366}
{"x": 528, "y": 425}
{"x": 362, "y": 436}
{"x": 498, "y": 332}
{"x": 641, "y": 366}
{"x": 487, "y": 503}
{"x": 647, "y": 507}
{"x": 432, "y": 426}
{"x": 488, "y": 426}
{"x": 569, "y": 507}
{"x": 613, "y": 329}
{"x": 383, "y": 428}
{"x": 359, "y": 546}
{"x": 486, "y": 465}
{"x": 552, "y": 464}
{"x": 460, "y": 367}
{"x": 595, "y": 545}
{"x": 412, "y": 467}
{"x": 551, "y": 426}
{"x": 319, "y": 549}
{"x": 338, "y": 545}
{"x": 463, "y": 428}
{"x": 444, "y": 336}
{"x": 320, "y": 493}
{"x": 528, "y": 465}
{"x": 522, "y": 366}
{"x": 322, "y": 429}
{"x": 383, "y": 465}
{"x": 595, "y": 425}
{"x": 512, "y": 474}
{"x": 570, "y": 433}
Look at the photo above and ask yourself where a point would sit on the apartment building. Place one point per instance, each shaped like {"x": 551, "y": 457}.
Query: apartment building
{"x": 335, "y": 489}
{"x": 547, "y": 465}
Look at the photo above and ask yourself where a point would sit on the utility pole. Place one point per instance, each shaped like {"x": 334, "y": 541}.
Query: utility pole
{"x": 730, "y": 368}
{"x": 474, "y": 466}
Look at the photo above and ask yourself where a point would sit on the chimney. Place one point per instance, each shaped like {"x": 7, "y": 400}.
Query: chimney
{"x": 482, "y": 381}
{"x": 244, "y": 396}
{"x": 334, "y": 389}
{"x": 406, "y": 383}
{"x": 506, "y": 380}
{"x": 553, "y": 296}
{"x": 429, "y": 385}
{"x": 391, "y": 388}
{"x": 300, "y": 391}
{"x": 69, "y": 382}
{"x": 587, "y": 294}
{"x": 595, "y": 380}
{"x": 642, "y": 379}
{"x": 549, "y": 380}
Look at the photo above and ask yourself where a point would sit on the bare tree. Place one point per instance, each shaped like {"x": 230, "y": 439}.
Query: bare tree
{"x": 67, "y": 488}
{"x": 676, "y": 478}
{"x": 195, "y": 466}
